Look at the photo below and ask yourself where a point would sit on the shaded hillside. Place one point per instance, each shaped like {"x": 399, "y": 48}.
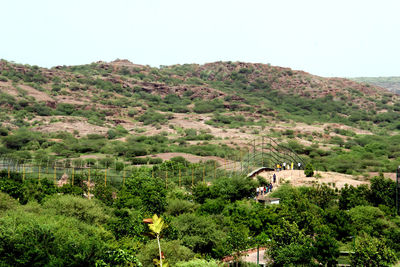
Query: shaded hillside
{"x": 390, "y": 83}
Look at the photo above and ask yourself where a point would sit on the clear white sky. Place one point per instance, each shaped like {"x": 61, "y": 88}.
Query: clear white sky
{"x": 324, "y": 37}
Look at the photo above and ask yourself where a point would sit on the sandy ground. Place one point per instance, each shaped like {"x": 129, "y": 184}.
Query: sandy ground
{"x": 7, "y": 87}
{"x": 252, "y": 256}
{"x": 297, "y": 178}
{"x": 38, "y": 95}
{"x": 82, "y": 126}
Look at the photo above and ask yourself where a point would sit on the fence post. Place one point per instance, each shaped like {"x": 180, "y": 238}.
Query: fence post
{"x": 39, "y": 171}
{"x": 8, "y": 170}
{"x": 105, "y": 177}
{"x": 73, "y": 175}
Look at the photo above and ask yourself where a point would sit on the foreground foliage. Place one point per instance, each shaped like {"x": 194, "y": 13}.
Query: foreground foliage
{"x": 311, "y": 225}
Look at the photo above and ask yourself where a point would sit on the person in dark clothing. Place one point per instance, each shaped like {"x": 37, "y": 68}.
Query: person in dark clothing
{"x": 274, "y": 178}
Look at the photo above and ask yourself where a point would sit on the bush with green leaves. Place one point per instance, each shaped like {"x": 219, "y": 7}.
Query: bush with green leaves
{"x": 33, "y": 238}
{"x": 173, "y": 252}
{"x": 143, "y": 192}
{"x": 309, "y": 170}
{"x": 152, "y": 117}
{"x": 199, "y": 233}
{"x": 88, "y": 211}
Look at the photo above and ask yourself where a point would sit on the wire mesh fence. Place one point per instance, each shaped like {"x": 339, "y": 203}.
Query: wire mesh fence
{"x": 62, "y": 172}
{"x": 262, "y": 152}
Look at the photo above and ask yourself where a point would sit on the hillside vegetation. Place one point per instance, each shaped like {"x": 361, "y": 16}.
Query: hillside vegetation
{"x": 121, "y": 110}
{"x": 182, "y": 124}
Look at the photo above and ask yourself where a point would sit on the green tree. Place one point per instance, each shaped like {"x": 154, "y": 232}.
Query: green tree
{"x": 383, "y": 192}
{"x": 326, "y": 248}
{"x": 127, "y": 223}
{"x": 370, "y": 220}
{"x": 351, "y": 196}
{"x": 199, "y": 233}
{"x": 289, "y": 245}
{"x": 144, "y": 193}
{"x": 371, "y": 251}
{"x": 237, "y": 240}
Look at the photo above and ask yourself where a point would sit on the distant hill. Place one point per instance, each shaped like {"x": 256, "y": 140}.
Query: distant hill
{"x": 390, "y": 83}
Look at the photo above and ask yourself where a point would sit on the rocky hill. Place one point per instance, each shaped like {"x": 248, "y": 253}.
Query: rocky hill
{"x": 213, "y": 109}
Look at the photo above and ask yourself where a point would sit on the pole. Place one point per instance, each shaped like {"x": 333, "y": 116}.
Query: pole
{"x": 258, "y": 255}
{"x": 23, "y": 172}
{"x": 105, "y": 177}
{"x": 179, "y": 177}
{"x": 73, "y": 175}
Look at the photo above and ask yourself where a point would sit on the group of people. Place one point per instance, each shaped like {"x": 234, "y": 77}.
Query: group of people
{"x": 264, "y": 189}
{"x": 267, "y": 188}
{"x": 285, "y": 166}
